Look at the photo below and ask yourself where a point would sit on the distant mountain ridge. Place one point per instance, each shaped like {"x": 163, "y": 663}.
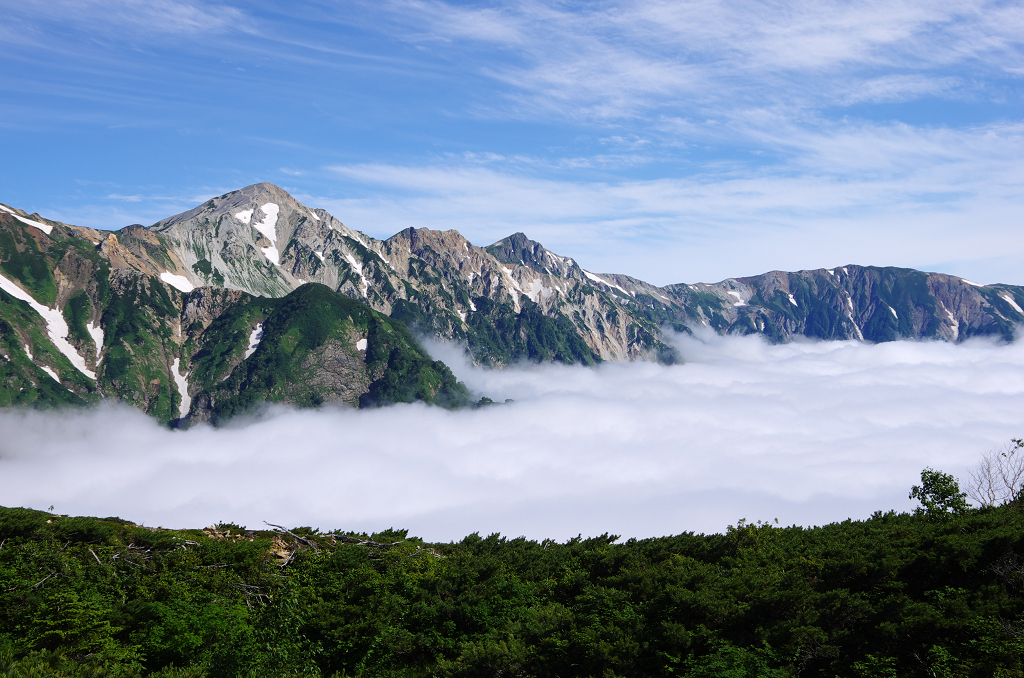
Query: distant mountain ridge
{"x": 434, "y": 279}
{"x": 145, "y": 308}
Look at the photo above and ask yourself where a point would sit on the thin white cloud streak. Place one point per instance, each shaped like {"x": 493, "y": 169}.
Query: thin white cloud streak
{"x": 805, "y": 433}
{"x": 619, "y": 58}
{"x": 132, "y": 17}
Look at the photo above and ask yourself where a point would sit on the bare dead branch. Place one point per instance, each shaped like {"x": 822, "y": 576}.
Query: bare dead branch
{"x": 96, "y": 557}
{"x": 40, "y": 582}
{"x": 240, "y": 585}
{"x": 365, "y": 542}
{"x": 999, "y": 477}
{"x": 308, "y": 542}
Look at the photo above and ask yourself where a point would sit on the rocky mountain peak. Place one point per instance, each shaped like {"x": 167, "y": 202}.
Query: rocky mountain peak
{"x": 519, "y": 250}
{"x": 516, "y": 249}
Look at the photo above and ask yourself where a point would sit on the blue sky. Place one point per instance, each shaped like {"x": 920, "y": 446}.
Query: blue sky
{"x": 672, "y": 141}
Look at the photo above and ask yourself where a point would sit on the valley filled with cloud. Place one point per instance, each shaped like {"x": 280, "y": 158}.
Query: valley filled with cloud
{"x": 806, "y": 433}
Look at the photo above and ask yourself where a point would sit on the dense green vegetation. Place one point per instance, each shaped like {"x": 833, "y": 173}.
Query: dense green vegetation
{"x": 498, "y": 334}
{"x": 936, "y": 593}
{"x": 23, "y": 261}
{"x": 137, "y": 322}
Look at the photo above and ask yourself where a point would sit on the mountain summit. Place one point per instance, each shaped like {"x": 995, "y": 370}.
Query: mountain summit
{"x": 253, "y": 296}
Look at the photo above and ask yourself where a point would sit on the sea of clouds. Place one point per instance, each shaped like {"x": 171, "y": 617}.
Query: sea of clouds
{"x": 806, "y": 433}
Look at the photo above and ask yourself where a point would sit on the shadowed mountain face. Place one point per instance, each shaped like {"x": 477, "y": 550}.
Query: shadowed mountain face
{"x": 212, "y": 311}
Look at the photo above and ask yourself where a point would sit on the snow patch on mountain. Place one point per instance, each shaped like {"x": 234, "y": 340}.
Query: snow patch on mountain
{"x": 45, "y": 228}
{"x": 792, "y": 300}
{"x": 357, "y": 236}
{"x": 96, "y": 332}
{"x": 244, "y": 216}
{"x": 268, "y": 228}
{"x": 860, "y": 335}
{"x": 1008, "y": 299}
{"x": 49, "y": 371}
{"x": 358, "y": 268}
{"x": 179, "y": 282}
{"x": 597, "y": 278}
{"x": 56, "y": 326}
{"x": 536, "y": 291}
{"x": 255, "y": 337}
{"x": 507, "y": 272}
{"x": 181, "y": 381}
{"x": 361, "y": 345}
{"x": 893, "y": 311}
{"x": 739, "y": 299}
{"x": 955, "y": 323}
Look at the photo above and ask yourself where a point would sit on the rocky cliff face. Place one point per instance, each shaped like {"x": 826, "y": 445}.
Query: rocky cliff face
{"x": 856, "y": 302}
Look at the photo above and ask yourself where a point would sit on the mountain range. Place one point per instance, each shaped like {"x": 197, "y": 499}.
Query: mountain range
{"x": 253, "y": 297}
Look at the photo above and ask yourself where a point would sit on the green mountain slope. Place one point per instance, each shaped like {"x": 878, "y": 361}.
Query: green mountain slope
{"x": 315, "y": 346}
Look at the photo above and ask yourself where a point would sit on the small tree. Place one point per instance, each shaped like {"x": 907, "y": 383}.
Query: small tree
{"x": 999, "y": 477}
{"x": 939, "y": 494}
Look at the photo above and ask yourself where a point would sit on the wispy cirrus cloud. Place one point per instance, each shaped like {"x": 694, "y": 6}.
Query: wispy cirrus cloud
{"x": 139, "y": 17}
{"x": 621, "y": 58}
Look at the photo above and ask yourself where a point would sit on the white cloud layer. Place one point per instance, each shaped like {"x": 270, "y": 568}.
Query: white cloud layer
{"x": 806, "y": 433}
